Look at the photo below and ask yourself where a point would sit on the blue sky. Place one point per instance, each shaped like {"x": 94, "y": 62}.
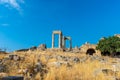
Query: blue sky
{"x": 25, "y": 23}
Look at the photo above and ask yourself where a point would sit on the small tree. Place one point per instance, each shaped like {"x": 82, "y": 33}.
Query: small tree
{"x": 109, "y": 46}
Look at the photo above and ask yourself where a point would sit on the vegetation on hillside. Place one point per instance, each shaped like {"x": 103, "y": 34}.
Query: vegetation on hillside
{"x": 109, "y": 45}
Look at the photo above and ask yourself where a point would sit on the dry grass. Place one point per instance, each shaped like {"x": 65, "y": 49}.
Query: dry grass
{"x": 78, "y": 71}
{"x": 81, "y": 71}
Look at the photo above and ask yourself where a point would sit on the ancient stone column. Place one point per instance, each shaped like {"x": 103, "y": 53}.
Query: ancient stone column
{"x": 63, "y": 42}
{"x": 53, "y": 40}
{"x": 70, "y": 44}
{"x": 60, "y": 40}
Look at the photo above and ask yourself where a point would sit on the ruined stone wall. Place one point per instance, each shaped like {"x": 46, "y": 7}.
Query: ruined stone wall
{"x": 87, "y": 46}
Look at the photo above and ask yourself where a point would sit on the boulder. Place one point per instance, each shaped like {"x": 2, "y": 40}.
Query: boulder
{"x": 108, "y": 71}
{"x": 16, "y": 58}
{"x": 59, "y": 57}
{"x": 38, "y": 67}
{"x": 76, "y": 60}
{"x": 42, "y": 47}
{"x": 11, "y": 57}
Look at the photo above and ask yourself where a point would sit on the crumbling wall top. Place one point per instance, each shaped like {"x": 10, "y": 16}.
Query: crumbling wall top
{"x": 57, "y": 32}
{"x": 68, "y": 38}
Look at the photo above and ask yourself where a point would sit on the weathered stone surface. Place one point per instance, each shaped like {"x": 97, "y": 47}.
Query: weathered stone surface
{"x": 58, "y": 64}
{"x": 11, "y": 57}
{"x": 64, "y": 43}
{"x": 108, "y": 71}
{"x": 98, "y": 58}
{"x": 71, "y": 59}
{"x": 33, "y": 48}
{"x": 16, "y": 58}
{"x": 42, "y": 47}
{"x": 38, "y": 67}
{"x": 75, "y": 50}
{"x": 60, "y": 38}
{"x": 76, "y": 60}
{"x": 87, "y": 46}
{"x": 59, "y": 57}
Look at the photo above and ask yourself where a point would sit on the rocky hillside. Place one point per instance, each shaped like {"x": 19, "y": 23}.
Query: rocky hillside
{"x": 54, "y": 64}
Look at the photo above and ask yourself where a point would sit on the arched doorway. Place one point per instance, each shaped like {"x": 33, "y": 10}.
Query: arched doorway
{"x": 90, "y": 51}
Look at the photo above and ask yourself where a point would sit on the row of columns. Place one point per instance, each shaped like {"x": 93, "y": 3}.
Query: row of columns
{"x": 62, "y": 40}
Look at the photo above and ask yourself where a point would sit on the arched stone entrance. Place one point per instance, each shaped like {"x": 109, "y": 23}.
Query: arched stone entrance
{"x": 90, "y": 51}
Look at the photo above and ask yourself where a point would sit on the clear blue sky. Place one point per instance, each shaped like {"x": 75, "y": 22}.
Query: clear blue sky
{"x": 24, "y": 23}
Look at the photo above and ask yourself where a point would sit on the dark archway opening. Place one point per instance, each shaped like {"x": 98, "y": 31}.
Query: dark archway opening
{"x": 90, "y": 51}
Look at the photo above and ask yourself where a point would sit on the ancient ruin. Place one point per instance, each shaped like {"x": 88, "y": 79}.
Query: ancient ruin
{"x": 42, "y": 63}
{"x": 62, "y": 40}
{"x": 42, "y": 47}
{"x": 89, "y": 49}
{"x": 70, "y": 42}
